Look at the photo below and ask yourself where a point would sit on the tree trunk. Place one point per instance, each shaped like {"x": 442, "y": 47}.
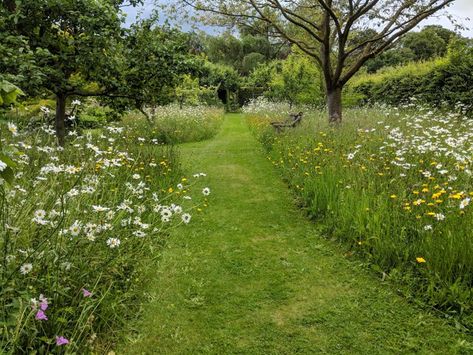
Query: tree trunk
{"x": 334, "y": 105}
{"x": 147, "y": 116}
{"x": 60, "y": 118}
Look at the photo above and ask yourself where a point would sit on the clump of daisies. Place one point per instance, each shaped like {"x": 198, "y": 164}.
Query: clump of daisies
{"x": 81, "y": 220}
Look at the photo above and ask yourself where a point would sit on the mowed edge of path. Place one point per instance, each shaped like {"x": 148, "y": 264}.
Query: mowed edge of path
{"x": 251, "y": 275}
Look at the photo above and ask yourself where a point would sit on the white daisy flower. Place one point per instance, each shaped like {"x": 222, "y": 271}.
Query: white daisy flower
{"x": 465, "y": 203}
{"x": 12, "y": 128}
{"x": 186, "y": 218}
{"x": 26, "y": 268}
{"x": 113, "y": 242}
{"x": 166, "y": 213}
{"x": 40, "y": 214}
{"x": 139, "y": 234}
{"x": 75, "y": 228}
{"x": 110, "y": 215}
{"x": 100, "y": 208}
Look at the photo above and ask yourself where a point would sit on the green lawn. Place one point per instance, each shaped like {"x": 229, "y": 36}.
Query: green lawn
{"x": 251, "y": 275}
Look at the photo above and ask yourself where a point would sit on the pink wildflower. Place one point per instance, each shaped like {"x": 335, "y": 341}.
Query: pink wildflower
{"x": 60, "y": 340}
{"x": 40, "y": 315}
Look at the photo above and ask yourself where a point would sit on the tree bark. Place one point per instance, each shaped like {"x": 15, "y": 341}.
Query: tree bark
{"x": 60, "y": 118}
{"x": 334, "y": 105}
{"x": 147, "y": 116}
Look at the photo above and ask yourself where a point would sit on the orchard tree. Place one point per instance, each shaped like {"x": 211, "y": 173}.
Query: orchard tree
{"x": 79, "y": 48}
{"x": 296, "y": 80}
{"x": 72, "y": 42}
{"x": 324, "y": 30}
{"x": 154, "y": 58}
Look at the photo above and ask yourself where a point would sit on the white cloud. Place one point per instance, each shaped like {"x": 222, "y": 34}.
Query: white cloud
{"x": 462, "y": 11}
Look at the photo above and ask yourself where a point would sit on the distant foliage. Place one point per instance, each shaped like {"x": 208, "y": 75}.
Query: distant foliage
{"x": 242, "y": 54}
{"x": 295, "y": 80}
{"x": 446, "y": 81}
{"x": 189, "y": 92}
{"x": 429, "y": 43}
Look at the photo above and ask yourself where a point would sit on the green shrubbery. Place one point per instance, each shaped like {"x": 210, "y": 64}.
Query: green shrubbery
{"x": 295, "y": 80}
{"x": 94, "y": 116}
{"x": 444, "y": 81}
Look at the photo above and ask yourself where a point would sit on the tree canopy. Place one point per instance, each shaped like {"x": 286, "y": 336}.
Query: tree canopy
{"x": 80, "y": 48}
{"x": 327, "y": 30}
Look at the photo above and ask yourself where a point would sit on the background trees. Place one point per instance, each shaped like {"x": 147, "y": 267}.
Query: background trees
{"x": 296, "y": 80}
{"x": 243, "y": 53}
{"x": 79, "y": 48}
{"x": 325, "y": 30}
{"x": 291, "y": 52}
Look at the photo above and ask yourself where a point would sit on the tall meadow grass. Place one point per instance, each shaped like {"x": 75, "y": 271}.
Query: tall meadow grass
{"x": 174, "y": 124}
{"x": 395, "y": 184}
{"x": 79, "y": 226}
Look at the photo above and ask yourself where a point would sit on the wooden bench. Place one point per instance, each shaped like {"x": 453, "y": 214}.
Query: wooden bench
{"x": 293, "y": 121}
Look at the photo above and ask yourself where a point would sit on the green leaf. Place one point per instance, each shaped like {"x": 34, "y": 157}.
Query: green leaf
{"x": 9, "y": 93}
{"x": 7, "y": 160}
{"x": 7, "y": 175}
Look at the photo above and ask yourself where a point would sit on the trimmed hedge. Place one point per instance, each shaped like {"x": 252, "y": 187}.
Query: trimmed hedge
{"x": 445, "y": 81}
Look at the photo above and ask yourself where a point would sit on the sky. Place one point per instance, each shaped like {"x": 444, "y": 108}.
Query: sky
{"x": 461, "y": 10}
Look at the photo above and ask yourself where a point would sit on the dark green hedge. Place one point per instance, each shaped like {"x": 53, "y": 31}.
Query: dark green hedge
{"x": 446, "y": 83}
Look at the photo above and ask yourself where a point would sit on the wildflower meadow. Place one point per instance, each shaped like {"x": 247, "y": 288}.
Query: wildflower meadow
{"x": 394, "y": 184}
{"x": 236, "y": 177}
{"x": 79, "y": 224}
{"x": 173, "y": 124}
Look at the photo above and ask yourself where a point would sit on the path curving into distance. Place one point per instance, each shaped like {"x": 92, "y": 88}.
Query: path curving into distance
{"x": 252, "y": 275}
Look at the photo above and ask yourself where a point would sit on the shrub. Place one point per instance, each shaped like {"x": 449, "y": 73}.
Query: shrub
{"x": 441, "y": 82}
{"x": 94, "y": 116}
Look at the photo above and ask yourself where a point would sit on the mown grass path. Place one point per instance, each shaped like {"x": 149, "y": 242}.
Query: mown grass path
{"x": 253, "y": 276}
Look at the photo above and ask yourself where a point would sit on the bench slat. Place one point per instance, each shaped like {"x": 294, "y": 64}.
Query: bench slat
{"x": 292, "y": 122}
